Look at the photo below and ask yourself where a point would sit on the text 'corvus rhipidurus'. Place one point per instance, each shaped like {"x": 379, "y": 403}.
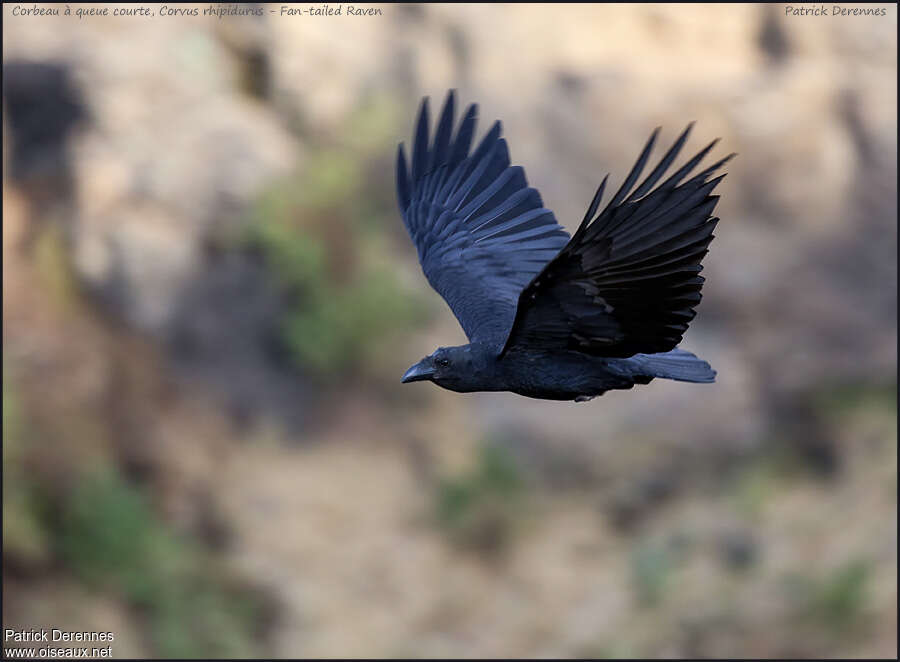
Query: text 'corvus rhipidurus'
{"x": 548, "y": 315}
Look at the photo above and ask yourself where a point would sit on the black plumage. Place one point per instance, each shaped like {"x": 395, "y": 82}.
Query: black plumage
{"x": 548, "y": 315}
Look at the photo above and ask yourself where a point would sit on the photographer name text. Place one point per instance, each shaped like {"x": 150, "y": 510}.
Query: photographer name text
{"x": 44, "y": 638}
{"x": 833, "y": 10}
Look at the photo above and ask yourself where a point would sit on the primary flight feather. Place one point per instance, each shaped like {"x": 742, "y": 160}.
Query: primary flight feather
{"x": 548, "y": 315}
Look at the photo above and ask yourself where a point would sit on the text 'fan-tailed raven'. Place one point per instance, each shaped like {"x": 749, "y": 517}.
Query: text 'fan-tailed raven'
{"x": 549, "y": 315}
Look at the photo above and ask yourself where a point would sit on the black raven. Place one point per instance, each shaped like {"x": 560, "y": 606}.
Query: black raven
{"x": 548, "y": 315}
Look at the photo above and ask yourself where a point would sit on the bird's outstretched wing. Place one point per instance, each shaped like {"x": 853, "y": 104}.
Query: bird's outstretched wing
{"x": 481, "y": 233}
{"x": 628, "y": 281}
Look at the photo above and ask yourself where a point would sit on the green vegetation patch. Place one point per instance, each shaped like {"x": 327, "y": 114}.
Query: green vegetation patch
{"x": 835, "y": 599}
{"x": 481, "y": 507}
{"x": 111, "y": 539}
{"x": 325, "y": 236}
{"x": 103, "y": 531}
{"x": 24, "y": 536}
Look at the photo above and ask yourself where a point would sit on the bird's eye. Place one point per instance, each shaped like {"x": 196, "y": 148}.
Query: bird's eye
{"x": 443, "y": 362}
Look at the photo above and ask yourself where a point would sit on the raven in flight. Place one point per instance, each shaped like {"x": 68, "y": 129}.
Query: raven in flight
{"x": 548, "y": 315}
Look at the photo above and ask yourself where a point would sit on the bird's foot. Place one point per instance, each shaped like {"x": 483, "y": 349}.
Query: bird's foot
{"x": 584, "y": 398}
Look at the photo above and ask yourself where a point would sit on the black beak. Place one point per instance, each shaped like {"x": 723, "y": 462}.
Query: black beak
{"x": 421, "y": 371}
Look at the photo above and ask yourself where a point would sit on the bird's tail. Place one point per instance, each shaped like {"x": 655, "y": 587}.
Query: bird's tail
{"x": 676, "y": 364}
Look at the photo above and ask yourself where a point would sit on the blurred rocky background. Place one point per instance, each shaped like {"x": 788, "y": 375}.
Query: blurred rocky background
{"x": 209, "y": 298}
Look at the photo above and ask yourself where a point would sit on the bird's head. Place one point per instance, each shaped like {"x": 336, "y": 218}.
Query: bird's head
{"x": 455, "y": 368}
